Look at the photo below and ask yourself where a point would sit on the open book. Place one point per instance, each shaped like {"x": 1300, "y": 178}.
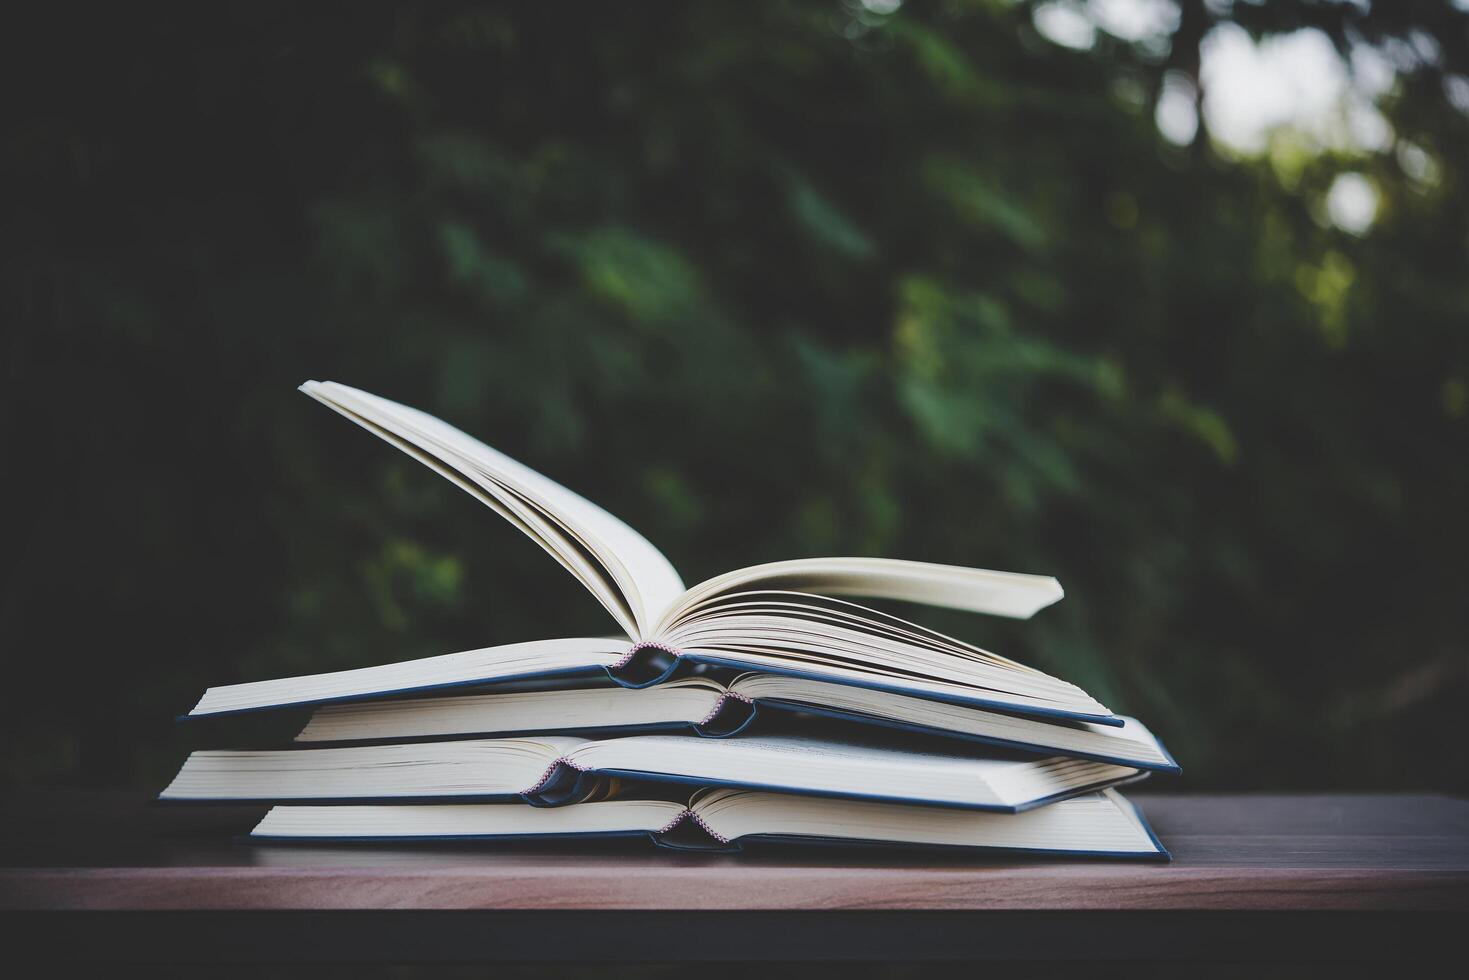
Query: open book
{"x": 712, "y": 709}
{"x": 783, "y": 618}
{"x": 558, "y": 770}
{"x": 1098, "y": 825}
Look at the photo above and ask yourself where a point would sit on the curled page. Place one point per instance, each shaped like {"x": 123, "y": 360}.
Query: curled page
{"x": 645, "y": 579}
{"x": 972, "y": 589}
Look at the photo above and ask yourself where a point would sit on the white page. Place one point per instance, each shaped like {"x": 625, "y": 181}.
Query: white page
{"x": 656, "y": 582}
{"x": 467, "y": 820}
{"x": 800, "y": 763}
{"x": 1099, "y": 822}
{"x": 859, "y": 648}
{"x": 951, "y": 586}
{"x": 823, "y": 612}
{"x": 688, "y": 700}
{"x": 598, "y": 573}
{"x": 488, "y": 664}
{"x": 487, "y": 767}
{"x": 1132, "y": 743}
{"x": 792, "y": 641}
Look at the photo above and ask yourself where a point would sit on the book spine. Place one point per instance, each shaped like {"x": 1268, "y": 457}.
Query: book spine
{"x": 646, "y": 663}
{"x": 732, "y": 714}
{"x": 689, "y": 832}
{"x": 562, "y": 784}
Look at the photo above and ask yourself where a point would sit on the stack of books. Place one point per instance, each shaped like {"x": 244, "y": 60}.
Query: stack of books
{"x": 762, "y": 704}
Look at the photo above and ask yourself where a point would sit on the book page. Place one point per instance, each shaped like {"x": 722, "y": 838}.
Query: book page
{"x": 816, "y": 765}
{"x": 844, "y": 642}
{"x": 536, "y": 524}
{"x": 972, "y": 589}
{"x": 507, "y": 662}
{"x": 647, "y": 579}
{"x": 824, "y": 613}
{"x": 1131, "y": 744}
{"x": 466, "y": 820}
{"x": 489, "y": 767}
{"x": 686, "y": 700}
{"x": 1098, "y": 823}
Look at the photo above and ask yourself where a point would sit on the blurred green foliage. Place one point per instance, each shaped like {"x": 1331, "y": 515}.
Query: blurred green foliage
{"x": 766, "y": 280}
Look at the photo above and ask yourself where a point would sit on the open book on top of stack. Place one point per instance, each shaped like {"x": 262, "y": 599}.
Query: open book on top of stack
{"x": 772, "y": 638}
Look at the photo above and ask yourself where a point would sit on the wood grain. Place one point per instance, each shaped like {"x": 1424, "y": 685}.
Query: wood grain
{"x": 71, "y": 852}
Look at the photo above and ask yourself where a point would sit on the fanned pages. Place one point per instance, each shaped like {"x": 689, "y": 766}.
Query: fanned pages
{"x": 582, "y": 535}
{"x": 617, "y": 564}
{"x": 970, "y": 589}
{"x": 552, "y": 771}
{"x": 1099, "y": 824}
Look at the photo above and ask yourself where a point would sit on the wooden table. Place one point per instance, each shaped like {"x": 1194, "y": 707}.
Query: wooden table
{"x": 1361, "y": 879}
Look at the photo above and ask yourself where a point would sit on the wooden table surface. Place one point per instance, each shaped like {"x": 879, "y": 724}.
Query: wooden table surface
{"x": 1307, "y": 877}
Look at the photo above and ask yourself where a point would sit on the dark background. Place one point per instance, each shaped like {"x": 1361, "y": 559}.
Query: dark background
{"x": 766, "y": 280}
